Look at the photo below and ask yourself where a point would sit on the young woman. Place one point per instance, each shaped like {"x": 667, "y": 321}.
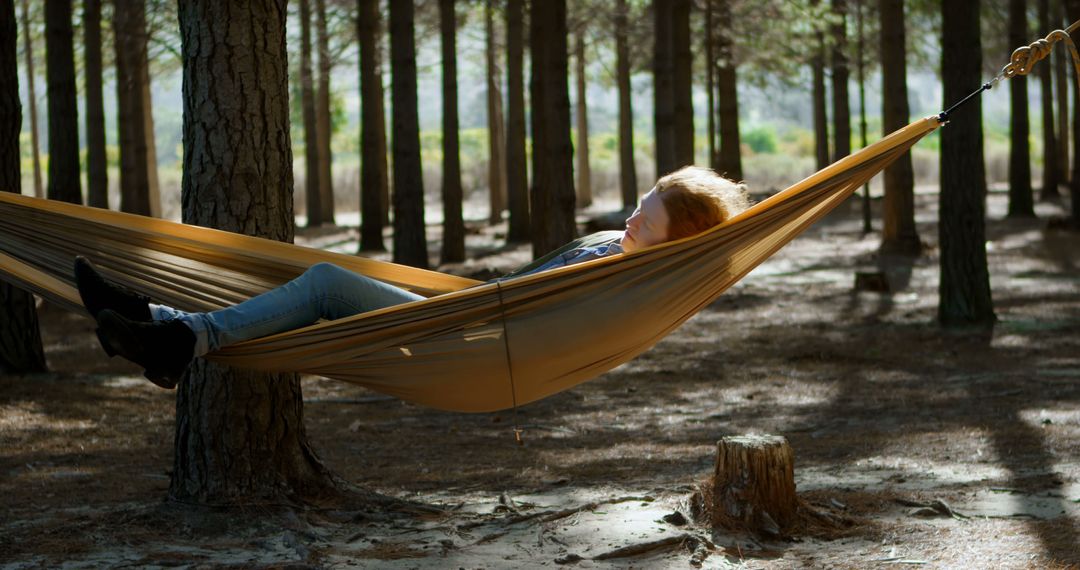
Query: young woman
{"x": 164, "y": 340}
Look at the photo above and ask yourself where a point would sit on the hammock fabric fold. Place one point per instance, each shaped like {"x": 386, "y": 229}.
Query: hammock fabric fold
{"x": 470, "y": 346}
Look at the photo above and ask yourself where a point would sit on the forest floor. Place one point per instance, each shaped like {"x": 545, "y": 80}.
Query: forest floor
{"x": 887, "y": 413}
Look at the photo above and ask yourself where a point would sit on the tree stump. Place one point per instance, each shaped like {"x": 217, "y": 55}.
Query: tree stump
{"x": 753, "y": 485}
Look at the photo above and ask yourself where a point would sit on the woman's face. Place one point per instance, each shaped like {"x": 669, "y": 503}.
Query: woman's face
{"x": 648, "y": 225}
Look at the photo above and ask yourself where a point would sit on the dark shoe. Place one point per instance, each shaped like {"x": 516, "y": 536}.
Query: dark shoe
{"x": 163, "y": 348}
{"x": 99, "y": 294}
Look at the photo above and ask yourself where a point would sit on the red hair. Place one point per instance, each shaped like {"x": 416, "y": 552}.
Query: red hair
{"x": 697, "y": 199}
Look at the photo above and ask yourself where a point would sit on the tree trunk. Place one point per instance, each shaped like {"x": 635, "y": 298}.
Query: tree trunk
{"x": 753, "y": 484}
{"x": 240, "y": 435}
{"x": 861, "y": 66}
{"x": 312, "y": 187}
{"x": 1051, "y": 170}
{"x": 727, "y": 90}
{"x": 663, "y": 88}
{"x": 517, "y": 169}
{"x": 496, "y": 161}
{"x": 322, "y": 116}
{"x": 1072, "y": 9}
{"x": 1021, "y": 199}
{"x": 453, "y": 246}
{"x": 130, "y": 41}
{"x": 153, "y": 188}
{"x": 373, "y": 175}
{"x": 682, "y": 82}
{"x": 20, "y": 339}
{"x": 1061, "y": 59}
{"x": 627, "y": 167}
{"x": 710, "y": 86}
{"x": 964, "y": 289}
{"x": 410, "y": 242}
{"x": 97, "y": 177}
{"x": 553, "y": 167}
{"x": 581, "y": 149}
{"x": 821, "y": 118}
{"x": 64, "y": 181}
{"x": 28, "y": 47}
{"x": 899, "y": 235}
{"x": 840, "y": 77}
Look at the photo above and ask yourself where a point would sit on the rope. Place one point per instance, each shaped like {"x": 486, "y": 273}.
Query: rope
{"x": 518, "y": 428}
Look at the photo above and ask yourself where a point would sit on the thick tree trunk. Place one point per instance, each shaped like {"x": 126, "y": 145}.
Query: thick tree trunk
{"x": 64, "y": 181}
{"x": 840, "y": 77}
{"x": 964, "y": 289}
{"x": 496, "y": 144}
{"x": 453, "y": 246}
{"x": 663, "y": 88}
{"x": 821, "y": 118}
{"x": 322, "y": 116}
{"x": 727, "y": 89}
{"x": 137, "y": 192}
{"x": 1021, "y": 198}
{"x": 312, "y": 186}
{"x": 753, "y": 484}
{"x": 97, "y": 177}
{"x": 1051, "y": 170}
{"x": 553, "y": 156}
{"x": 240, "y": 435}
{"x": 682, "y": 82}
{"x": 28, "y": 48}
{"x": 627, "y": 167}
{"x": 1061, "y": 59}
{"x": 517, "y": 169}
{"x": 710, "y": 86}
{"x": 1072, "y": 10}
{"x": 20, "y": 339}
{"x": 899, "y": 235}
{"x": 581, "y": 149}
{"x": 410, "y": 242}
{"x": 373, "y": 176}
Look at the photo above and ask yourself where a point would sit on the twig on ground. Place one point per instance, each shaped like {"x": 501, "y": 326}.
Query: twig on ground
{"x": 643, "y": 547}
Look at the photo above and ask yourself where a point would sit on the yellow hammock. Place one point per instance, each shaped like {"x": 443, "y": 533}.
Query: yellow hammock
{"x": 470, "y": 346}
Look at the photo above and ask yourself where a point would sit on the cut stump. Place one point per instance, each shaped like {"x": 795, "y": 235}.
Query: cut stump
{"x": 753, "y": 485}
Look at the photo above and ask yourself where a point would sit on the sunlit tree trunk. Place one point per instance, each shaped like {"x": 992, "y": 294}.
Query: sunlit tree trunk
{"x": 627, "y": 167}
{"x": 97, "y": 177}
{"x": 20, "y": 338}
{"x": 730, "y": 164}
{"x": 312, "y": 187}
{"x": 138, "y": 188}
{"x": 374, "y": 195}
{"x": 322, "y": 116}
{"x": 453, "y": 246}
{"x": 682, "y": 82}
{"x": 821, "y": 119}
{"x": 840, "y": 77}
{"x": 410, "y": 242}
{"x": 1051, "y": 170}
{"x": 240, "y": 435}
{"x": 581, "y": 149}
{"x": 899, "y": 234}
{"x": 553, "y": 198}
{"x": 964, "y": 289}
{"x": 28, "y": 48}
{"x": 1021, "y": 199}
{"x": 517, "y": 169}
{"x": 496, "y": 144}
{"x": 64, "y": 180}
{"x": 153, "y": 189}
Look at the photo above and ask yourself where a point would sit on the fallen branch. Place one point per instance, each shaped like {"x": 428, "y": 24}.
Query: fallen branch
{"x": 642, "y": 548}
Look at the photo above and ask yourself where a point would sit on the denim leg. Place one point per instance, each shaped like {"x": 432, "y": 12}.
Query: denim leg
{"x": 324, "y": 291}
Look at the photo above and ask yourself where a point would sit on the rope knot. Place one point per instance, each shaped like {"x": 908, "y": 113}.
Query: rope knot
{"x": 1024, "y": 58}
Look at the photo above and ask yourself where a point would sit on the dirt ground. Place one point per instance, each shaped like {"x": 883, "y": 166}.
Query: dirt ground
{"x": 889, "y": 417}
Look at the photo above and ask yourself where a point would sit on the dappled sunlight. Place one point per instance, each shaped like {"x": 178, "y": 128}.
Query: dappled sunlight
{"x": 19, "y": 418}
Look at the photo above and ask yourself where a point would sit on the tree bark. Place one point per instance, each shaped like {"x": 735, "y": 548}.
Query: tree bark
{"x": 899, "y": 235}
{"x": 240, "y": 435}
{"x": 861, "y": 70}
{"x": 1021, "y": 198}
{"x": 64, "y": 178}
{"x": 727, "y": 89}
{"x": 28, "y": 47}
{"x": 1062, "y": 58}
{"x": 753, "y": 484}
{"x": 710, "y": 86}
{"x": 410, "y": 242}
{"x": 517, "y": 169}
{"x": 964, "y": 290}
{"x": 20, "y": 338}
{"x": 374, "y": 194}
{"x": 663, "y": 88}
{"x": 97, "y": 177}
{"x": 453, "y": 246}
{"x": 137, "y": 191}
{"x": 322, "y": 116}
{"x": 627, "y": 166}
{"x": 821, "y": 118}
{"x": 581, "y": 149}
{"x": 840, "y": 77}
{"x": 1072, "y": 10}
{"x": 496, "y": 144}
{"x": 312, "y": 186}
{"x": 153, "y": 189}
{"x": 1051, "y": 170}
{"x": 553, "y": 198}
{"x": 682, "y": 82}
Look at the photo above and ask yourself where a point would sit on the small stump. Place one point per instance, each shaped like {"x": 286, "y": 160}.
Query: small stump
{"x": 753, "y": 486}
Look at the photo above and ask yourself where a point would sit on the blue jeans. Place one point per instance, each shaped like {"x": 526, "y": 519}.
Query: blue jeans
{"x": 324, "y": 291}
